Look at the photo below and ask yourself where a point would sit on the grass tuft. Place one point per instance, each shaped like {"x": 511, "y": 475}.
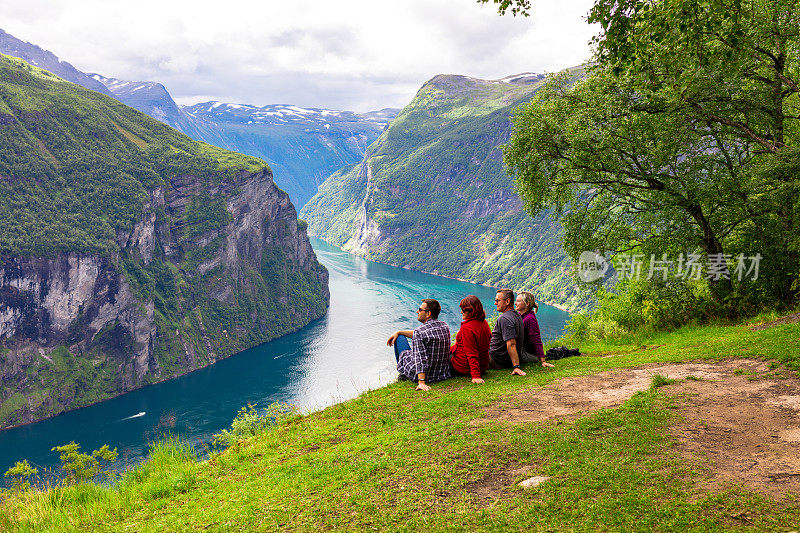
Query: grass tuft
{"x": 660, "y": 380}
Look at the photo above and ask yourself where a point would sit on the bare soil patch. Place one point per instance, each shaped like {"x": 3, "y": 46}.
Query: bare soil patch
{"x": 573, "y": 397}
{"x": 743, "y": 429}
{"x": 741, "y": 420}
{"x": 788, "y": 319}
{"x": 492, "y": 486}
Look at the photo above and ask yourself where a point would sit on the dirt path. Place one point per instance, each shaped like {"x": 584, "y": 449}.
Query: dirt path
{"x": 741, "y": 421}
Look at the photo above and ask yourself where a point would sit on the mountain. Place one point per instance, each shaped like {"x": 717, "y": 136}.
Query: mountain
{"x": 129, "y": 253}
{"x": 152, "y": 99}
{"x": 432, "y": 194}
{"x": 300, "y": 149}
{"x": 33, "y": 55}
{"x": 303, "y": 145}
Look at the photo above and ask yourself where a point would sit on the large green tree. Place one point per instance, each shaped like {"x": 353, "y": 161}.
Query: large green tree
{"x": 683, "y": 135}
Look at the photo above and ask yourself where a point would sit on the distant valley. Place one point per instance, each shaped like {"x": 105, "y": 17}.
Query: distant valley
{"x": 432, "y": 194}
{"x": 425, "y": 189}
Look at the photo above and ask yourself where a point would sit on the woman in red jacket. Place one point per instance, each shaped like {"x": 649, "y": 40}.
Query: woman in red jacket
{"x": 470, "y": 353}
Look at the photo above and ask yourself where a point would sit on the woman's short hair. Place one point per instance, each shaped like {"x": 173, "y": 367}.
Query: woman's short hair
{"x": 474, "y": 308}
{"x": 529, "y": 300}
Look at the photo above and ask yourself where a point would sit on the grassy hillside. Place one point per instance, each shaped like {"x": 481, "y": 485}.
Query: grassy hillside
{"x": 76, "y": 166}
{"x": 447, "y": 460}
{"x": 433, "y": 195}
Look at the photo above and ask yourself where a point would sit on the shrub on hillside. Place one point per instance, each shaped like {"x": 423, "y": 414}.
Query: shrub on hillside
{"x": 640, "y": 306}
{"x": 20, "y": 475}
{"x": 79, "y": 467}
{"x": 249, "y": 421}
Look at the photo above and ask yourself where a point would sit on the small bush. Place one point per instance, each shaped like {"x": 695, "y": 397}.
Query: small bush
{"x": 20, "y": 474}
{"x": 492, "y": 320}
{"x": 80, "y": 467}
{"x": 249, "y": 422}
{"x": 593, "y": 328}
{"x": 641, "y": 307}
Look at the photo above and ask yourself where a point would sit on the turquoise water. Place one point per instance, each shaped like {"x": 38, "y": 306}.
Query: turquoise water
{"x": 330, "y": 360}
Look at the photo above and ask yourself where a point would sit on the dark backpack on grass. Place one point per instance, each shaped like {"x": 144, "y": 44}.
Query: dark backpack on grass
{"x": 560, "y": 352}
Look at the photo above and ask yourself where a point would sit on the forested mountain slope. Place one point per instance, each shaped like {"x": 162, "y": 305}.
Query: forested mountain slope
{"x": 432, "y": 194}
{"x": 130, "y": 253}
{"x": 303, "y": 146}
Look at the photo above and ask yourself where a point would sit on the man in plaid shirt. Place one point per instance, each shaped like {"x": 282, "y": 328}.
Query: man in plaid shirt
{"x": 427, "y": 360}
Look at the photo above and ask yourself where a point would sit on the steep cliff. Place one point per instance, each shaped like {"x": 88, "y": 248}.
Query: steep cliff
{"x": 432, "y": 194}
{"x": 130, "y": 254}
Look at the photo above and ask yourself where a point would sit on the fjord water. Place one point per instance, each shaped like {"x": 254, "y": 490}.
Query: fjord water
{"x": 330, "y": 360}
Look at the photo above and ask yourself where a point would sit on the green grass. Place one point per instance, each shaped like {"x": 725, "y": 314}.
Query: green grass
{"x": 660, "y": 381}
{"x": 394, "y": 459}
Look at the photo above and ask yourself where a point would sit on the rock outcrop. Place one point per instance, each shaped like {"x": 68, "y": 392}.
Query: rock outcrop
{"x": 74, "y": 318}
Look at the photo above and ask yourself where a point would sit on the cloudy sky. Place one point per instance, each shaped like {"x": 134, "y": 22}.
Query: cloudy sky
{"x": 341, "y": 54}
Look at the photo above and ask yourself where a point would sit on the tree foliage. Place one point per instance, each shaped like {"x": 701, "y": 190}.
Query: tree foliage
{"x": 733, "y": 63}
{"x": 683, "y": 137}
{"x": 516, "y": 7}
{"x": 20, "y": 475}
{"x": 79, "y": 467}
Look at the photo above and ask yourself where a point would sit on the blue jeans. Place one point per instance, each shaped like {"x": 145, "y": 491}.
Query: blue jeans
{"x": 400, "y": 345}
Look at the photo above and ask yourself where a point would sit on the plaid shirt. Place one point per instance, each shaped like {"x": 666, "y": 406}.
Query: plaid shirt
{"x": 429, "y": 353}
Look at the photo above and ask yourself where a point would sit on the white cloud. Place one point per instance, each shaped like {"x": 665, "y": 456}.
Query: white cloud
{"x": 354, "y": 54}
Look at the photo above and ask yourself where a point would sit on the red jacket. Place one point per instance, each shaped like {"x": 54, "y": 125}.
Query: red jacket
{"x": 470, "y": 353}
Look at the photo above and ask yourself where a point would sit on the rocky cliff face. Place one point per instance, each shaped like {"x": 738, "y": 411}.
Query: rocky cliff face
{"x": 79, "y": 328}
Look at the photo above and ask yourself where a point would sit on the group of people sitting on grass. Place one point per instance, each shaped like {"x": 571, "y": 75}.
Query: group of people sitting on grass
{"x": 430, "y": 357}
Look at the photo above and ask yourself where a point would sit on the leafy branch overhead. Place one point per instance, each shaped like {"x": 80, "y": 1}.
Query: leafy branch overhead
{"x": 518, "y": 7}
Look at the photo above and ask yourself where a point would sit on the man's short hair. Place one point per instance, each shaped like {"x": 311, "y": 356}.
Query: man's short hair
{"x": 433, "y": 307}
{"x": 508, "y": 294}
